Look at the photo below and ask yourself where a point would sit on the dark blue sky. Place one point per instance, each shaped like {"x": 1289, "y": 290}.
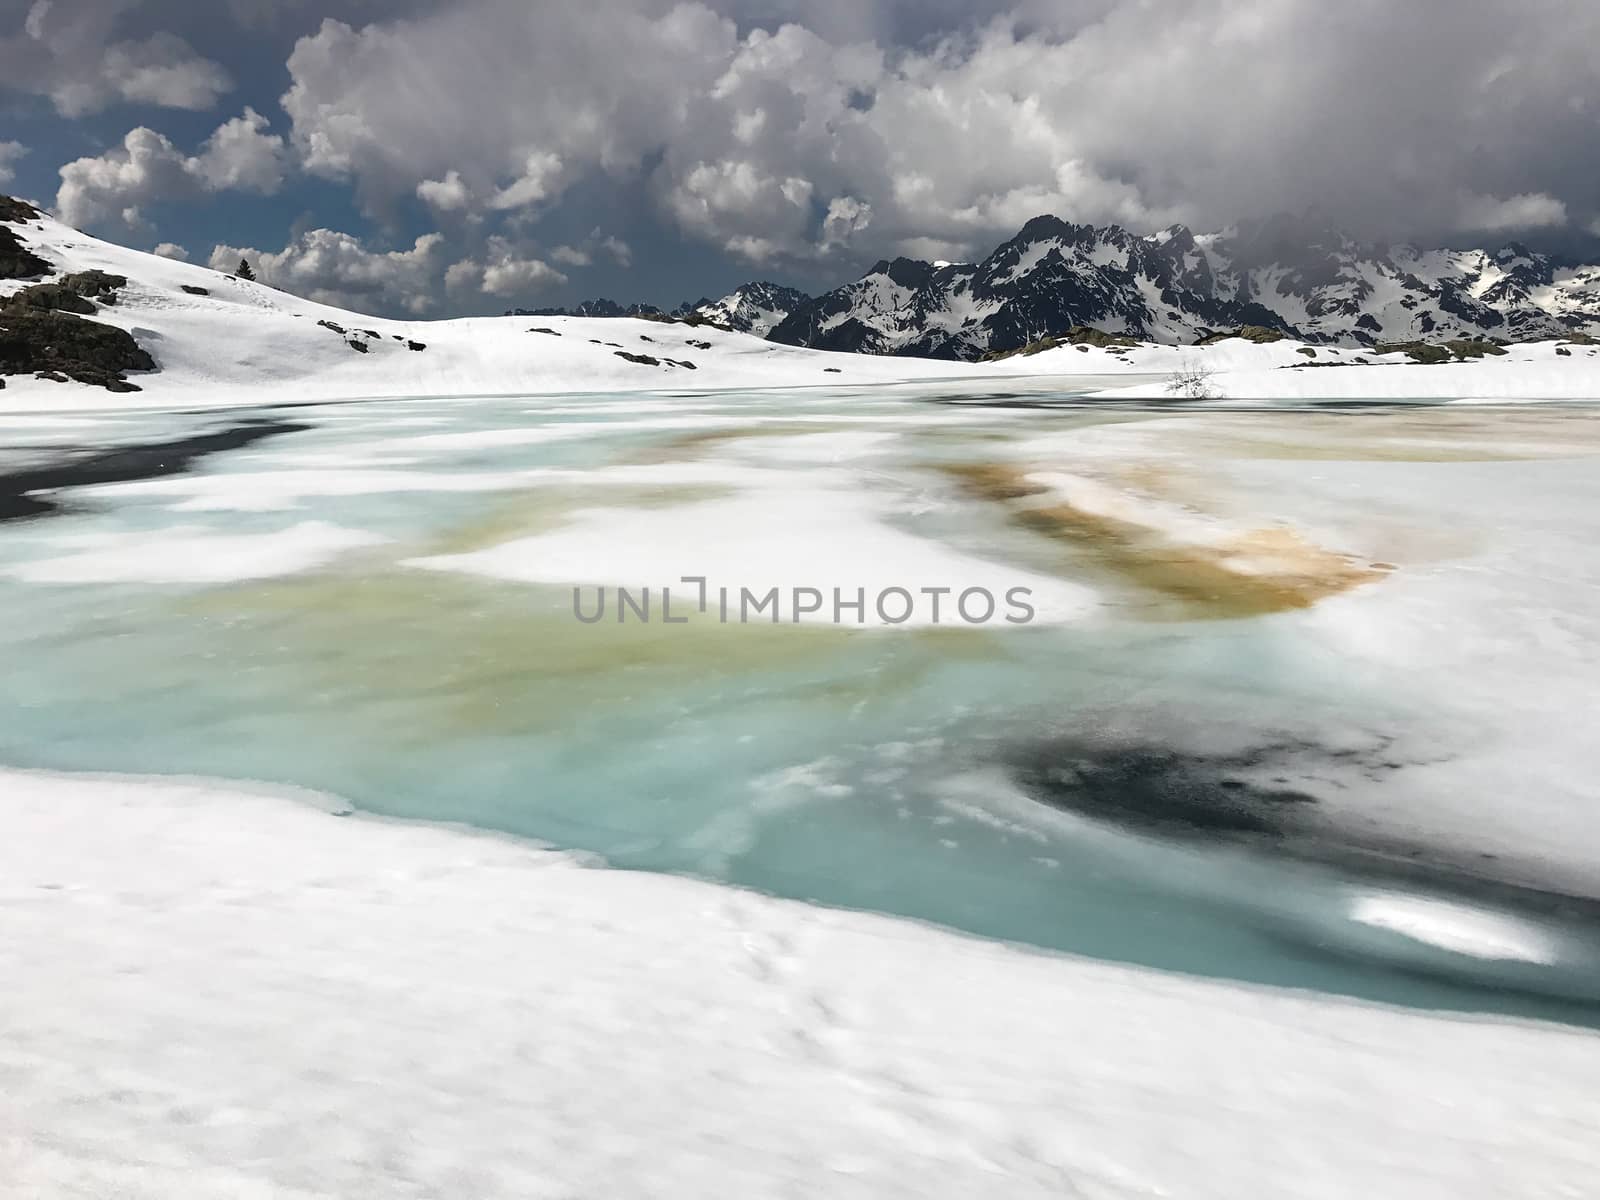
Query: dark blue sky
{"x": 545, "y": 153}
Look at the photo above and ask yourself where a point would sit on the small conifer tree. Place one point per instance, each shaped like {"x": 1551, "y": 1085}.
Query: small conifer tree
{"x": 244, "y": 271}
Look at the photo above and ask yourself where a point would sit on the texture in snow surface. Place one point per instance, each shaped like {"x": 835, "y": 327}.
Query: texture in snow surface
{"x": 217, "y": 993}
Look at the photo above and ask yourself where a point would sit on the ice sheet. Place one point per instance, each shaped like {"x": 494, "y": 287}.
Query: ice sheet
{"x": 193, "y": 554}
{"x": 778, "y": 537}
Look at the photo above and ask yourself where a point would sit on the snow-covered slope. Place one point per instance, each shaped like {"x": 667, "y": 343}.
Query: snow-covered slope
{"x": 1175, "y": 287}
{"x": 218, "y": 339}
{"x": 213, "y": 993}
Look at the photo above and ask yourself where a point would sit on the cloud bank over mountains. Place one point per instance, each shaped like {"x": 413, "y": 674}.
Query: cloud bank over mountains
{"x": 811, "y": 139}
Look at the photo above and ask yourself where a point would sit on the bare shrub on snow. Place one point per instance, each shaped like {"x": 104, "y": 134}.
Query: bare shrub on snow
{"x": 1192, "y": 381}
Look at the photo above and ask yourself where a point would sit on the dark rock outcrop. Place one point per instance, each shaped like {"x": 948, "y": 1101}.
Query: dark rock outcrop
{"x": 1455, "y": 350}
{"x": 71, "y": 293}
{"x": 35, "y": 341}
{"x": 17, "y": 212}
{"x": 49, "y": 297}
{"x": 1259, "y": 334}
{"x": 98, "y": 285}
{"x": 17, "y": 261}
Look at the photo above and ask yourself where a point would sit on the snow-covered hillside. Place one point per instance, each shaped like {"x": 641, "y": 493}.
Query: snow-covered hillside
{"x": 1176, "y": 287}
{"x": 217, "y": 339}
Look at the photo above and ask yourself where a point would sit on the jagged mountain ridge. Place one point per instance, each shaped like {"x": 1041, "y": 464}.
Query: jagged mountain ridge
{"x": 600, "y": 307}
{"x": 756, "y": 308}
{"x": 752, "y": 308}
{"x": 1176, "y": 287}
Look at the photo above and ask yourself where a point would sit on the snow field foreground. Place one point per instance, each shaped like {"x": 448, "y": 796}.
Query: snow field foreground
{"x": 226, "y": 993}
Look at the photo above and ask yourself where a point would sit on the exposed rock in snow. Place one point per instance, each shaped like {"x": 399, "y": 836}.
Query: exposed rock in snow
{"x": 16, "y": 260}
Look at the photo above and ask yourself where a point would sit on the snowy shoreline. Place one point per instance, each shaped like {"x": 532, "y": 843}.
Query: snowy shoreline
{"x": 215, "y": 989}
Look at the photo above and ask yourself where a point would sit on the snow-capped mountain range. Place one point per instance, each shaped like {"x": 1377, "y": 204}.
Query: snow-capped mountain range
{"x": 1177, "y": 287}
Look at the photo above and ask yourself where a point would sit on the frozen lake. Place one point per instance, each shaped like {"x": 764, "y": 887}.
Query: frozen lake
{"x": 1304, "y": 697}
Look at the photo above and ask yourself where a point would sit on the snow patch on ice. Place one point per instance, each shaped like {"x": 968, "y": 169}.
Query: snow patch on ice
{"x": 194, "y": 554}
{"x": 1454, "y": 927}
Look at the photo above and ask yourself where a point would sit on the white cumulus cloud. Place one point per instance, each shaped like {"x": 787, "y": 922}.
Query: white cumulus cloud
{"x": 111, "y": 188}
{"x": 337, "y": 268}
{"x": 503, "y": 271}
{"x": 444, "y": 195}
{"x": 521, "y": 97}
{"x": 242, "y": 155}
{"x": 540, "y": 180}
{"x": 69, "y": 52}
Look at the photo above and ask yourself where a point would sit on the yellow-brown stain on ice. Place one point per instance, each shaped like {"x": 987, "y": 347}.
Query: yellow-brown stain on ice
{"x": 1258, "y": 571}
{"x": 435, "y": 654}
